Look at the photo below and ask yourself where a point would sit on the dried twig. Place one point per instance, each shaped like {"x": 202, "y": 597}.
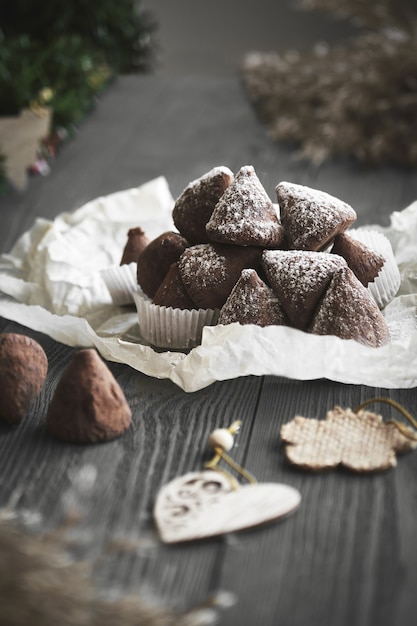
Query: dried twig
{"x": 359, "y": 98}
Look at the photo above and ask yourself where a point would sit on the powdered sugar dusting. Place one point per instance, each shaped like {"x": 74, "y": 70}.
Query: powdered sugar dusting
{"x": 210, "y": 271}
{"x": 349, "y": 311}
{"x": 310, "y": 217}
{"x": 221, "y": 170}
{"x": 193, "y": 208}
{"x": 252, "y": 302}
{"x": 295, "y": 273}
{"x": 201, "y": 263}
{"x": 245, "y": 214}
{"x": 299, "y": 279}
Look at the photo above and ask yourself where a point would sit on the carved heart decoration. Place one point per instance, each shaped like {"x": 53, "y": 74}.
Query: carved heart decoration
{"x": 203, "y": 504}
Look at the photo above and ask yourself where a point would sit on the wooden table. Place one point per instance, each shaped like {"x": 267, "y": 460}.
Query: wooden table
{"x": 347, "y": 556}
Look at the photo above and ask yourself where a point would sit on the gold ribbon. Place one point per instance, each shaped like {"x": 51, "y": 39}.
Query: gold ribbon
{"x": 220, "y": 454}
{"x": 405, "y": 430}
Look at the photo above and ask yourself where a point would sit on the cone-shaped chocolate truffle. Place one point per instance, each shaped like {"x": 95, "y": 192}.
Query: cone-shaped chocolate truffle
{"x": 88, "y": 405}
{"x": 136, "y": 242}
{"x": 348, "y": 310}
{"x": 252, "y": 302}
{"x": 156, "y": 259}
{"x": 245, "y": 215}
{"x": 172, "y": 292}
{"x": 299, "y": 278}
{"x": 193, "y": 208}
{"x": 210, "y": 271}
{"x": 311, "y": 218}
{"x": 364, "y": 262}
{"x": 23, "y": 369}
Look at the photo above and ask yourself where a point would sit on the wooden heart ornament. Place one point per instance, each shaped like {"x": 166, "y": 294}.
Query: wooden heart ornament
{"x": 204, "y": 504}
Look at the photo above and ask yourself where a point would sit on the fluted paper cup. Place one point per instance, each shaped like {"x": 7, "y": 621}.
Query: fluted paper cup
{"x": 166, "y": 327}
{"x": 121, "y": 281}
{"x": 385, "y": 286}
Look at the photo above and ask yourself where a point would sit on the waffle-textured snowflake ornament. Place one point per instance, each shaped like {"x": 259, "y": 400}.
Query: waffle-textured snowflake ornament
{"x": 360, "y": 441}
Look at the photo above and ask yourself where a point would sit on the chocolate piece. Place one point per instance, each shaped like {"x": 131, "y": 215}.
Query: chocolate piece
{"x": 88, "y": 405}
{"x": 252, "y": 302}
{"x": 136, "y": 242}
{"x": 193, "y": 208}
{"x": 311, "y": 218}
{"x": 245, "y": 215}
{"x": 299, "y": 278}
{"x": 23, "y": 369}
{"x": 364, "y": 262}
{"x": 210, "y": 271}
{"x": 348, "y": 310}
{"x": 172, "y": 292}
{"x": 156, "y": 259}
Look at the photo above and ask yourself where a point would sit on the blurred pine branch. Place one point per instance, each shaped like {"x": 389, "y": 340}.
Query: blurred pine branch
{"x": 62, "y": 54}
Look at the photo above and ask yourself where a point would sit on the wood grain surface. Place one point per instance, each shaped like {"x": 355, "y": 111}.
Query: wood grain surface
{"x": 347, "y": 556}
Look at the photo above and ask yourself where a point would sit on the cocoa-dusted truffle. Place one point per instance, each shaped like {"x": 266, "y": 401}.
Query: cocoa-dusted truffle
{"x": 210, "y": 271}
{"x": 386, "y": 284}
{"x": 23, "y": 369}
{"x": 156, "y": 259}
{"x": 348, "y": 310}
{"x": 364, "y": 262}
{"x": 299, "y": 278}
{"x": 172, "y": 292}
{"x": 311, "y": 218}
{"x": 245, "y": 215}
{"x": 88, "y": 405}
{"x": 137, "y": 240}
{"x": 251, "y": 301}
{"x": 193, "y": 208}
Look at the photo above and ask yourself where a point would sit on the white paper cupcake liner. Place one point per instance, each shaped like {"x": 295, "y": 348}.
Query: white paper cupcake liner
{"x": 121, "y": 281}
{"x": 176, "y": 329}
{"x": 386, "y": 285}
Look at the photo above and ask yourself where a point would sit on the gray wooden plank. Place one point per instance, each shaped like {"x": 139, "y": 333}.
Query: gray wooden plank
{"x": 341, "y": 558}
{"x": 168, "y": 438}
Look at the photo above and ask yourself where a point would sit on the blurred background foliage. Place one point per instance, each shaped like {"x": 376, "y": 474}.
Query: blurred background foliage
{"x": 63, "y": 53}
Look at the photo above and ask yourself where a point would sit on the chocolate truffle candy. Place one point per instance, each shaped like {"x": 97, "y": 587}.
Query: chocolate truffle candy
{"x": 136, "y": 242}
{"x": 23, "y": 369}
{"x": 172, "y": 292}
{"x": 311, "y": 218}
{"x": 245, "y": 215}
{"x": 299, "y": 279}
{"x": 156, "y": 259}
{"x": 193, "y": 208}
{"x": 251, "y": 301}
{"x": 348, "y": 310}
{"x": 210, "y": 271}
{"x": 364, "y": 262}
{"x": 88, "y": 405}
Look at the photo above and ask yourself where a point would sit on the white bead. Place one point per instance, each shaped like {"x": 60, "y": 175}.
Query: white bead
{"x": 221, "y": 438}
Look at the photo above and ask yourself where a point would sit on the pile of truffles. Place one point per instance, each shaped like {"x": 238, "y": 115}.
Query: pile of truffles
{"x": 290, "y": 263}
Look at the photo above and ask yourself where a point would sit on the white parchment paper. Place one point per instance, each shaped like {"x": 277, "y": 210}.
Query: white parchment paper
{"x": 51, "y": 282}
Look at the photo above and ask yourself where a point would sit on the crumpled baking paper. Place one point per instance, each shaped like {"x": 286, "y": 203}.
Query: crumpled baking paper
{"x": 51, "y": 283}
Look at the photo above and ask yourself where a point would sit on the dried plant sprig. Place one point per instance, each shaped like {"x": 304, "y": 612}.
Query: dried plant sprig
{"x": 39, "y": 584}
{"x": 358, "y": 99}
{"x": 371, "y": 14}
